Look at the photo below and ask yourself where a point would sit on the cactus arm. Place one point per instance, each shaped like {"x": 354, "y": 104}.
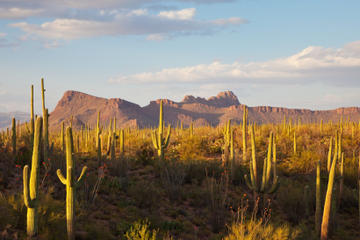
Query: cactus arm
{"x": 27, "y": 199}
{"x": 154, "y": 139}
{"x": 82, "y": 175}
{"x": 250, "y": 186}
{"x": 274, "y": 186}
{"x": 263, "y": 179}
{"x": 270, "y": 151}
{"x": 167, "y": 140}
{"x": 61, "y": 177}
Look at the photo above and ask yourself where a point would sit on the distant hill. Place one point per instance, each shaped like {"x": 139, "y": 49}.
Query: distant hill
{"x": 6, "y": 118}
{"x": 214, "y": 110}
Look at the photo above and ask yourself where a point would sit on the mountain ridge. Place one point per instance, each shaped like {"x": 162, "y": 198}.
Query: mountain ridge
{"x": 213, "y": 111}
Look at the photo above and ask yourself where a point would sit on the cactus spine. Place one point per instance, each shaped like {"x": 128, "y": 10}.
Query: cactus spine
{"x": 13, "y": 136}
{"x": 244, "y": 131}
{"x": 318, "y": 199}
{"x": 253, "y": 183}
{"x": 31, "y": 187}
{"x": 160, "y": 143}
{"x": 71, "y": 183}
{"x": 328, "y": 201}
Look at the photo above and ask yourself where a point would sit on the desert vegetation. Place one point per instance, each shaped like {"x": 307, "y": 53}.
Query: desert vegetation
{"x": 293, "y": 180}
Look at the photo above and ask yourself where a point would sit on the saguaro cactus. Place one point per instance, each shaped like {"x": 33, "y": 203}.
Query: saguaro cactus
{"x": 329, "y": 155}
{"x": 295, "y": 147}
{"x": 254, "y": 183}
{"x": 328, "y": 201}
{"x": 71, "y": 183}
{"x": 244, "y": 131}
{"x": 46, "y": 134}
{"x": 122, "y": 141}
{"x": 62, "y": 136}
{"x": 13, "y": 136}
{"x": 97, "y": 129}
{"x": 159, "y": 142}
{"x": 318, "y": 199}
{"x": 229, "y": 142}
{"x": 31, "y": 187}
{"x": 32, "y": 114}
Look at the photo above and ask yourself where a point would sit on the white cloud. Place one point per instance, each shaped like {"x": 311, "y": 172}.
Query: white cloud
{"x": 14, "y": 12}
{"x": 313, "y": 64}
{"x": 229, "y": 21}
{"x": 3, "y": 34}
{"x": 10, "y": 9}
{"x": 137, "y": 22}
{"x": 184, "y": 14}
{"x": 155, "y": 37}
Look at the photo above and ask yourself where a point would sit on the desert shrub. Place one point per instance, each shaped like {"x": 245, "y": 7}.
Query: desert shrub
{"x": 249, "y": 230}
{"x": 145, "y": 154}
{"x": 140, "y": 230}
{"x": 217, "y": 195}
{"x": 172, "y": 175}
{"x": 145, "y": 194}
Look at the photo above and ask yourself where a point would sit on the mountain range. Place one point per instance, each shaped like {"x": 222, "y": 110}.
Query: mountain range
{"x": 83, "y": 109}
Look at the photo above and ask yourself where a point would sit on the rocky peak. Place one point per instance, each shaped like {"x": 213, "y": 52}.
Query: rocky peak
{"x": 224, "y": 99}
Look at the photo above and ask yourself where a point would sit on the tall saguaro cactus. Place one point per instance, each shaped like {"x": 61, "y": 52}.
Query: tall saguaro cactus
{"x": 31, "y": 187}
{"x": 328, "y": 201}
{"x": 229, "y": 142}
{"x": 318, "y": 199}
{"x": 254, "y": 184}
{"x": 71, "y": 183}
{"x": 32, "y": 114}
{"x": 160, "y": 143}
{"x": 244, "y": 131}
{"x": 13, "y": 136}
{"x": 122, "y": 141}
{"x": 97, "y": 129}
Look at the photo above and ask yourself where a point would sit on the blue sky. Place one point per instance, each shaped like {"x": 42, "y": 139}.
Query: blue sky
{"x": 298, "y": 54}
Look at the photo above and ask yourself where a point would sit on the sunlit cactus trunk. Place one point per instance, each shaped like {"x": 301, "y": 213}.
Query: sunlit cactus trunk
{"x": 31, "y": 187}
{"x": 32, "y": 121}
{"x": 328, "y": 201}
{"x": 244, "y": 131}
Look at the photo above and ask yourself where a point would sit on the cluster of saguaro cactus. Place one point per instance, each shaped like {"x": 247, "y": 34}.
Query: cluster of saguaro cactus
{"x": 244, "y": 130}
{"x": 160, "y": 143}
{"x": 228, "y": 133}
{"x": 266, "y": 185}
{"x": 71, "y": 183}
{"x": 31, "y": 187}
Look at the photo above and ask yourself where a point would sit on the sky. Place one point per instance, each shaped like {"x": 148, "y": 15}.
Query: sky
{"x": 296, "y": 54}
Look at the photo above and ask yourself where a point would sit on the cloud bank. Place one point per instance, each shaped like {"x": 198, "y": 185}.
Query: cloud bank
{"x": 312, "y": 64}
